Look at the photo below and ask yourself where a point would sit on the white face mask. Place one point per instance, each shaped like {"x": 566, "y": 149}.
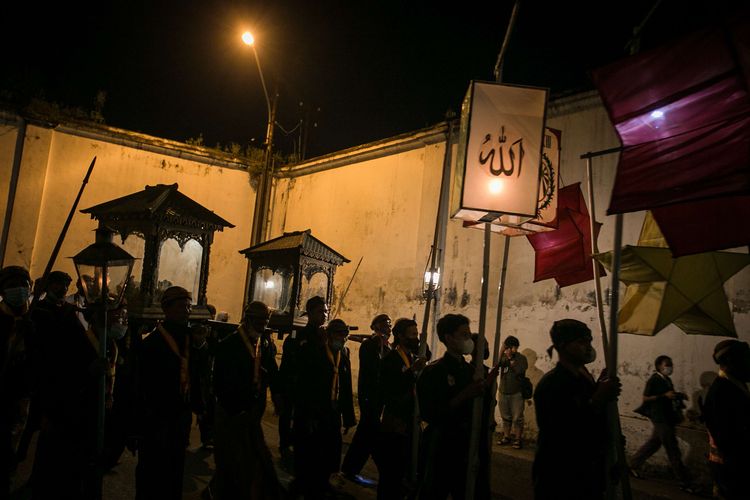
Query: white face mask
{"x": 467, "y": 346}
{"x": 592, "y": 356}
{"x": 667, "y": 370}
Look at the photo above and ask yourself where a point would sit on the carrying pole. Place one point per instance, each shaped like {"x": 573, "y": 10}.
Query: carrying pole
{"x": 615, "y": 458}
{"x": 431, "y": 292}
{"x": 61, "y": 237}
{"x": 472, "y": 467}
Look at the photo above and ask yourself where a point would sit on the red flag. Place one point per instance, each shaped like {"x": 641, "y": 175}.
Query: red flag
{"x": 682, "y": 112}
{"x": 565, "y": 253}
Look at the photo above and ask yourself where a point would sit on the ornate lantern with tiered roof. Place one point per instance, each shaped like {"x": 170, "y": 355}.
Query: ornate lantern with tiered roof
{"x": 288, "y": 270}
{"x": 171, "y": 234}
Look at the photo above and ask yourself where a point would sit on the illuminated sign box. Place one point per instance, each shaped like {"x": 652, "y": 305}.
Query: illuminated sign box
{"x": 499, "y": 152}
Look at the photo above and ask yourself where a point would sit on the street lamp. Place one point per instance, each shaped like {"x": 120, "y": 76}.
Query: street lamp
{"x": 264, "y": 186}
{"x": 103, "y": 268}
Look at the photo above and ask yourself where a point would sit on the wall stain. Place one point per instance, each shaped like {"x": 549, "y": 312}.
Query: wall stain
{"x": 465, "y": 298}
{"x": 451, "y": 295}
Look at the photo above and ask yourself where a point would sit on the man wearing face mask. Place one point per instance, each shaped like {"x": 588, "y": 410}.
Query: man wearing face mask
{"x": 398, "y": 380}
{"x": 446, "y": 391}
{"x": 16, "y": 333}
{"x": 662, "y": 405}
{"x": 244, "y": 369}
{"x": 371, "y": 354}
{"x": 316, "y": 311}
{"x": 323, "y": 403}
{"x": 571, "y": 415}
{"x": 164, "y": 391}
{"x": 727, "y": 416}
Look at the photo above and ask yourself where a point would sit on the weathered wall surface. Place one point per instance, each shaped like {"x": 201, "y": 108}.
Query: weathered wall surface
{"x": 53, "y": 166}
{"x": 383, "y": 211}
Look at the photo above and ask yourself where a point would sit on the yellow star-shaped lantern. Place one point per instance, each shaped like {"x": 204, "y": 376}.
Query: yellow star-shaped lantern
{"x": 687, "y": 291}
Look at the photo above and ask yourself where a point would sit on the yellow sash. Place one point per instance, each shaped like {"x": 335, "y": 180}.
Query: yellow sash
{"x": 404, "y": 357}
{"x": 335, "y": 383}
{"x": 184, "y": 360}
{"x": 254, "y": 353}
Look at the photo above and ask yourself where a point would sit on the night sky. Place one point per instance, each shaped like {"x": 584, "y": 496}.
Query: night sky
{"x": 358, "y": 70}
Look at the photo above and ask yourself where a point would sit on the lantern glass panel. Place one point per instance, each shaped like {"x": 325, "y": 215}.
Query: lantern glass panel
{"x": 179, "y": 267}
{"x": 317, "y": 284}
{"x": 135, "y": 246}
{"x": 273, "y": 288}
{"x": 93, "y": 279}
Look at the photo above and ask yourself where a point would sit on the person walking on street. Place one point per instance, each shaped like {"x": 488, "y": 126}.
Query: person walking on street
{"x": 245, "y": 368}
{"x": 316, "y": 311}
{"x": 371, "y": 354}
{"x": 513, "y": 367}
{"x": 663, "y": 406}
{"x": 398, "y": 378}
{"x": 446, "y": 391}
{"x": 571, "y": 415}
{"x": 16, "y": 339}
{"x": 164, "y": 392}
{"x": 324, "y": 403}
{"x": 727, "y": 415}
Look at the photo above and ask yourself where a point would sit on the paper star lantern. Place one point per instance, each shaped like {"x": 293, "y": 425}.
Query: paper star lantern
{"x": 687, "y": 291}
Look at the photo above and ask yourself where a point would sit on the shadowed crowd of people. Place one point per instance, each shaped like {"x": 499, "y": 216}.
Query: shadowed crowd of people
{"x": 418, "y": 418}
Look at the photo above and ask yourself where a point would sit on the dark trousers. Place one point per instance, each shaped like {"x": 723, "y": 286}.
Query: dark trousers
{"x": 286, "y": 439}
{"x": 161, "y": 458}
{"x": 662, "y": 435}
{"x": 317, "y": 453}
{"x": 63, "y": 465}
{"x": 732, "y": 480}
{"x": 393, "y": 458}
{"x": 363, "y": 442}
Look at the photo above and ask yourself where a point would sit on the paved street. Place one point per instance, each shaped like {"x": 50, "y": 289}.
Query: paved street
{"x": 511, "y": 478}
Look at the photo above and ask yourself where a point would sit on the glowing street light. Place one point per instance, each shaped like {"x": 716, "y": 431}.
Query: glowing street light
{"x": 263, "y": 194}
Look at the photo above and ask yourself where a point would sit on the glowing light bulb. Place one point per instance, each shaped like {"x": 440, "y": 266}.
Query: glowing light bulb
{"x": 495, "y": 186}
{"x": 657, "y": 114}
{"x": 248, "y": 38}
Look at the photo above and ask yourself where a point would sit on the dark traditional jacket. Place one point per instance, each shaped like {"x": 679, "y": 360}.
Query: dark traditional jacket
{"x": 159, "y": 381}
{"x": 372, "y": 352}
{"x": 289, "y": 369}
{"x": 571, "y": 446}
{"x": 727, "y": 415}
{"x": 398, "y": 385}
{"x": 234, "y": 368}
{"x": 65, "y": 384}
{"x": 315, "y": 383}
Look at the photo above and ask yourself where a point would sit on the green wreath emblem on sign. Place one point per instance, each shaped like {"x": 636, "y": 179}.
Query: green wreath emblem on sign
{"x": 547, "y": 187}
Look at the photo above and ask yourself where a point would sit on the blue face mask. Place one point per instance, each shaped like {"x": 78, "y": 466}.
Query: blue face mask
{"x": 336, "y": 345}
{"x": 16, "y": 297}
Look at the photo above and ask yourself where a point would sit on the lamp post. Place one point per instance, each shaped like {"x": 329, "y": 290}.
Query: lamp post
{"x": 103, "y": 268}
{"x": 264, "y": 185}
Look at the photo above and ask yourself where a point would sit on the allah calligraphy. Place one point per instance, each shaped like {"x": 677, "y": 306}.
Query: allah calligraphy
{"x": 515, "y": 153}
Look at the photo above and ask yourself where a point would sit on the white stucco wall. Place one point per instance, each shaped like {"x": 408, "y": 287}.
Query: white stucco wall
{"x": 53, "y": 166}
{"x": 383, "y": 211}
